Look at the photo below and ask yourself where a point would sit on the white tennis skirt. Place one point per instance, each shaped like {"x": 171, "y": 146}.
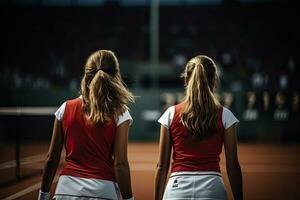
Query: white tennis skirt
{"x": 77, "y": 188}
{"x": 195, "y": 185}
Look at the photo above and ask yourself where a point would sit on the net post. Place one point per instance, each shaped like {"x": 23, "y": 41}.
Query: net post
{"x": 18, "y": 161}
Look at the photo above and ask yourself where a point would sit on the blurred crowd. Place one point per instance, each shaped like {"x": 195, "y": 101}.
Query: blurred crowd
{"x": 254, "y": 46}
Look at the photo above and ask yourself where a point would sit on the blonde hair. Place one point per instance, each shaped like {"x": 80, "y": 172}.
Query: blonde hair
{"x": 200, "y": 113}
{"x": 104, "y": 93}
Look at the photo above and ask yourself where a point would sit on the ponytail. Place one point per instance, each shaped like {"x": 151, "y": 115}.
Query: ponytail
{"x": 200, "y": 113}
{"x": 104, "y": 93}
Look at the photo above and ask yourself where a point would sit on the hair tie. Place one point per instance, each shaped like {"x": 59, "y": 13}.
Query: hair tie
{"x": 111, "y": 71}
{"x": 98, "y": 68}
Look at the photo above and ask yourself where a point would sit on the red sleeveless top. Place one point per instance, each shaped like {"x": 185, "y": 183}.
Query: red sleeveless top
{"x": 89, "y": 148}
{"x": 190, "y": 154}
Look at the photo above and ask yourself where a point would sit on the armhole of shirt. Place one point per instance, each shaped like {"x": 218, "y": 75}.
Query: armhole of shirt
{"x": 167, "y": 118}
{"x": 124, "y": 117}
{"x": 221, "y": 118}
{"x": 59, "y": 114}
{"x": 228, "y": 118}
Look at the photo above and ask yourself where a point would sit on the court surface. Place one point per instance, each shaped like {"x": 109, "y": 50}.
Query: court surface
{"x": 270, "y": 171}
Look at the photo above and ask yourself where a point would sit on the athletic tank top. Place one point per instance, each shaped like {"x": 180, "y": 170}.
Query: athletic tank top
{"x": 190, "y": 154}
{"x": 89, "y": 147}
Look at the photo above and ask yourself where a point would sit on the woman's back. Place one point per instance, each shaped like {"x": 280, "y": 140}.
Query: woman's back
{"x": 190, "y": 153}
{"x": 89, "y": 147}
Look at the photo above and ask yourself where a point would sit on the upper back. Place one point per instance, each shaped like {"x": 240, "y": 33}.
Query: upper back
{"x": 88, "y": 145}
{"x": 190, "y": 149}
{"x": 179, "y": 131}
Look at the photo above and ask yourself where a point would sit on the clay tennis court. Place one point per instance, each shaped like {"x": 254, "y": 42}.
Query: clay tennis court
{"x": 270, "y": 171}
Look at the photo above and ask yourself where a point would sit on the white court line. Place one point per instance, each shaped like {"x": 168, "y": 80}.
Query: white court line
{"x": 28, "y": 190}
{"x": 27, "y": 110}
{"x": 42, "y": 157}
{"x": 143, "y": 157}
{"x": 24, "y": 161}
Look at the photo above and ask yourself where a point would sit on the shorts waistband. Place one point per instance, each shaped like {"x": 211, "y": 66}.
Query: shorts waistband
{"x": 186, "y": 173}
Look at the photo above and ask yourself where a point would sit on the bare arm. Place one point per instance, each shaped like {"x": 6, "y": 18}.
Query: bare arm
{"x": 121, "y": 165}
{"x": 163, "y": 163}
{"x": 232, "y": 163}
{"x": 53, "y": 156}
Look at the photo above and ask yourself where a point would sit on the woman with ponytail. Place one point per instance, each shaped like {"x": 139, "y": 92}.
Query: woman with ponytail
{"x": 93, "y": 128}
{"x": 196, "y": 130}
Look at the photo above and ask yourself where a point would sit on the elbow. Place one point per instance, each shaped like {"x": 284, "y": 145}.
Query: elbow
{"x": 162, "y": 166}
{"x": 121, "y": 164}
{"x": 232, "y": 164}
{"x": 52, "y": 159}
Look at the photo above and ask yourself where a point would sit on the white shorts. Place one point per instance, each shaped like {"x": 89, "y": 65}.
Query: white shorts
{"x": 195, "y": 185}
{"x": 77, "y": 188}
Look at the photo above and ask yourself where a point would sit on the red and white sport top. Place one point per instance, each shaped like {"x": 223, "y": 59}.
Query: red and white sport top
{"x": 89, "y": 148}
{"x": 192, "y": 155}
